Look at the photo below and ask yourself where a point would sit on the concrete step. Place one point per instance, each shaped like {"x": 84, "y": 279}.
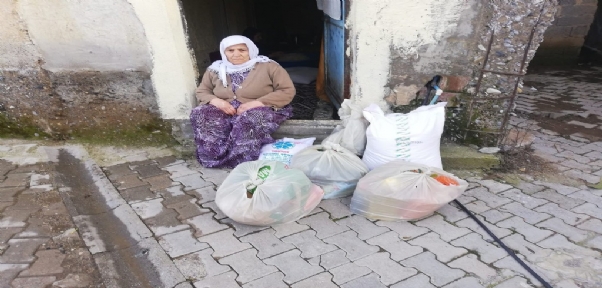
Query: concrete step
{"x": 453, "y": 156}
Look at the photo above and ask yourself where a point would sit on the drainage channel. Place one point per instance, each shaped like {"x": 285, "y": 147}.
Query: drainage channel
{"x": 123, "y": 248}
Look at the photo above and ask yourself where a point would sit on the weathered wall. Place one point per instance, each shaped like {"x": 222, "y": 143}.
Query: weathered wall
{"x": 397, "y": 46}
{"x": 73, "y": 66}
{"x": 564, "y": 39}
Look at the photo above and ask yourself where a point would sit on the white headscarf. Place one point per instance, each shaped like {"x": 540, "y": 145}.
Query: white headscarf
{"x": 224, "y": 67}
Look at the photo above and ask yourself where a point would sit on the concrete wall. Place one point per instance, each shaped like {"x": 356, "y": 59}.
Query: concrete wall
{"x": 564, "y": 39}
{"x": 69, "y": 66}
{"x": 593, "y": 41}
{"x": 398, "y": 45}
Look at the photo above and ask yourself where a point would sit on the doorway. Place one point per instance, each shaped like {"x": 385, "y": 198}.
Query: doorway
{"x": 291, "y": 32}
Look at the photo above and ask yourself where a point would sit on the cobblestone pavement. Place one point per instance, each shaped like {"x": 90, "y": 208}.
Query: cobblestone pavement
{"x": 553, "y": 221}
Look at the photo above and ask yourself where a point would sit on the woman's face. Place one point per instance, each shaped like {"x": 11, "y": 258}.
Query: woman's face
{"x": 237, "y": 54}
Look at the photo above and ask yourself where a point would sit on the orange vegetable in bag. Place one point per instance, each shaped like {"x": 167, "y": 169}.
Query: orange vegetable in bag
{"x": 445, "y": 180}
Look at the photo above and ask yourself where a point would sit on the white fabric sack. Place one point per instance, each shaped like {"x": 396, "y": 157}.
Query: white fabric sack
{"x": 414, "y": 137}
{"x": 335, "y": 169}
{"x": 284, "y": 195}
{"x": 393, "y": 192}
{"x": 352, "y": 133}
{"x": 283, "y": 149}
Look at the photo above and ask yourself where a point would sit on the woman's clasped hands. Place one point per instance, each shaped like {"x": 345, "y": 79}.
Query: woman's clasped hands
{"x": 227, "y": 108}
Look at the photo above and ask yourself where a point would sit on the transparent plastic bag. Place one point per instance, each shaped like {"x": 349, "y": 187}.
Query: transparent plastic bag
{"x": 352, "y": 133}
{"x": 267, "y": 192}
{"x": 401, "y": 190}
{"x": 283, "y": 149}
{"x": 331, "y": 167}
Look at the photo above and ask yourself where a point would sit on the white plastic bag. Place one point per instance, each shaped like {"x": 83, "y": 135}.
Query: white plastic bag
{"x": 331, "y": 167}
{"x": 352, "y": 133}
{"x": 414, "y": 137}
{"x": 278, "y": 194}
{"x": 283, "y": 149}
{"x": 401, "y": 190}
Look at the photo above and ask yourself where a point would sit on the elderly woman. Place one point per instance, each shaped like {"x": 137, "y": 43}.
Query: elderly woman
{"x": 243, "y": 99}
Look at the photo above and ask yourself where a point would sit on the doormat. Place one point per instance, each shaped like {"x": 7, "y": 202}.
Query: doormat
{"x": 305, "y": 101}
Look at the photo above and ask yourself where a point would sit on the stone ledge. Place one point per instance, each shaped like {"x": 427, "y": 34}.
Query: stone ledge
{"x": 457, "y": 157}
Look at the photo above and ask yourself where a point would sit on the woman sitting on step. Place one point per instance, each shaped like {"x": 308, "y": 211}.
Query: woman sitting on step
{"x": 243, "y": 99}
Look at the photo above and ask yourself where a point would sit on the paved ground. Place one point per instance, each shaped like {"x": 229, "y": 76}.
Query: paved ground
{"x": 552, "y": 220}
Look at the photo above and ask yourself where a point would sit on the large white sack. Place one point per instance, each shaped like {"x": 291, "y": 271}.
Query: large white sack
{"x": 393, "y": 192}
{"x": 284, "y": 195}
{"x": 352, "y": 133}
{"x": 283, "y": 149}
{"x": 414, "y": 137}
{"x": 335, "y": 169}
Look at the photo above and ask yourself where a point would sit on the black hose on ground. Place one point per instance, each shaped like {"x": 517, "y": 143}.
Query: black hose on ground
{"x": 508, "y": 250}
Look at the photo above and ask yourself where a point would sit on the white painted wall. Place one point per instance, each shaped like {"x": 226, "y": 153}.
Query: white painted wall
{"x": 86, "y": 35}
{"x": 16, "y": 49}
{"x": 173, "y": 68}
{"x": 378, "y": 27}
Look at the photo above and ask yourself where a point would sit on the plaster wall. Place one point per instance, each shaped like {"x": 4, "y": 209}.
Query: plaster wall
{"x": 16, "y": 48}
{"x": 396, "y": 45}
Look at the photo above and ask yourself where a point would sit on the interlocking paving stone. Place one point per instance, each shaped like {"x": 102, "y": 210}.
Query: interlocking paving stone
{"x": 283, "y": 230}
{"x": 323, "y": 226}
{"x": 242, "y": 229}
{"x": 445, "y": 230}
{"x": 226, "y": 280}
{"x": 247, "y": 265}
{"x": 514, "y": 283}
{"x": 451, "y": 213}
{"x": 335, "y": 208}
{"x": 406, "y": 230}
{"x": 165, "y": 223}
{"x": 530, "y": 232}
{"x": 266, "y": 243}
{"x": 180, "y": 243}
{"x": 589, "y": 209}
{"x": 494, "y": 186}
{"x": 439, "y": 273}
{"x": 15, "y": 218}
{"x": 172, "y": 191}
{"x": 148, "y": 209}
{"x": 559, "y": 242}
{"x": 160, "y": 182}
{"x": 192, "y": 182}
{"x": 389, "y": 271}
{"x": 219, "y": 215}
{"x": 21, "y": 250}
{"x": 494, "y": 215}
{"x": 370, "y": 280}
{"x": 146, "y": 171}
{"x": 471, "y": 264}
{"x": 33, "y": 282}
{"x": 332, "y": 259}
{"x": 322, "y": 280}
{"x": 558, "y": 226}
{"x": 528, "y": 215}
{"x": 348, "y": 272}
{"x": 309, "y": 244}
{"x": 137, "y": 194}
{"x": 594, "y": 155}
{"x": 562, "y": 201}
{"x": 205, "y": 194}
{"x": 595, "y": 243}
{"x": 465, "y": 199}
{"x": 594, "y": 225}
{"x": 364, "y": 228}
{"x": 531, "y": 251}
{"x": 444, "y": 251}
{"x": 129, "y": 181}
{"x": 187, "y": 209}
{"x": 576, "y": 157}
{"x": 9, "y": 271}
{"x": 273, "y": 280}
{"x": 487, "y": 252}
{"x": 179, "y": 170}
{"x": 583, "y": 175}
{"x": 392, "y": 243}
{"x": 418, "y": 281}
{"x": 205, "y": 224}
{"x": 224, "y": 243}
{"x": 567, "y": 216}
{"x": 467, "y": 282}
{"x": 524, "y": 199}
{"x": 511, "y": 264}
{"x": 477, "y": 207}
{"x": 48, "y": 262}
{"x": 588, "y": 197}
{"x": 354, "y": 247}
{"x": 484, "y": 195}
{"x": 198, "y": 265}
{"x": 293, "y": 266}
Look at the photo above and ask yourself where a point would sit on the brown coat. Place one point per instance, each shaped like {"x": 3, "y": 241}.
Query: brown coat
{"x": 267, "y": 82}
